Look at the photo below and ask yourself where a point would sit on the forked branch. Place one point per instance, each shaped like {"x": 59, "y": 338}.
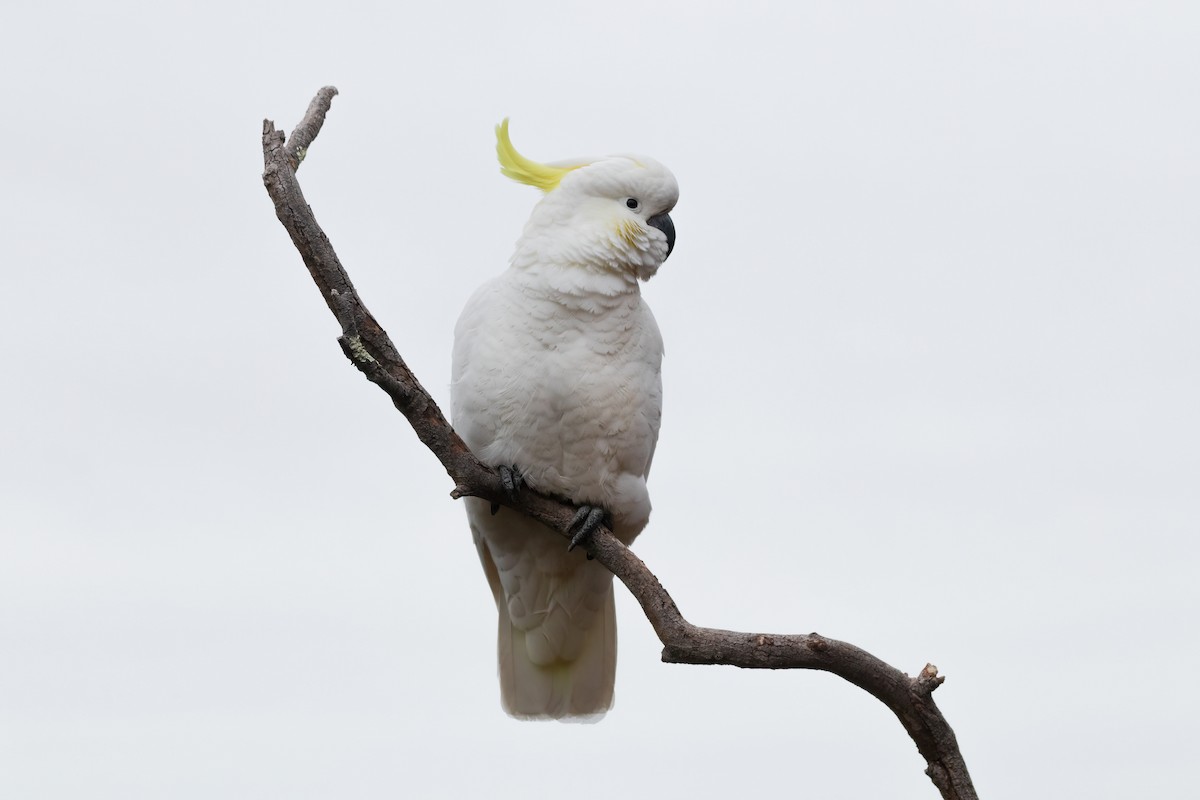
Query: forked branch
{"x": 370, "y": 349}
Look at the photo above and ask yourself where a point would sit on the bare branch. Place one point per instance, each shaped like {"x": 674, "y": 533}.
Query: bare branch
{"x": 368, "y": 347}
{"x": 309, "y": 127}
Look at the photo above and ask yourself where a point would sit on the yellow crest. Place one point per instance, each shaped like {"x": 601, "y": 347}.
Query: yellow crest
{"x": 521, "y": 169}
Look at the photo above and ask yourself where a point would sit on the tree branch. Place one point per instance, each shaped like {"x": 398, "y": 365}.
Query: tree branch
{"x": 368, "y": 347}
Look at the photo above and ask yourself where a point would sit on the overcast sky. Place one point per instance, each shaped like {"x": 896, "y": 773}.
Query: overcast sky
{"x": 931, "y": 387}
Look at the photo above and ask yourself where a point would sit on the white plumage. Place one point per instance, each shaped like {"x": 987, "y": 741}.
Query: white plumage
{"x": 557, "y": 372}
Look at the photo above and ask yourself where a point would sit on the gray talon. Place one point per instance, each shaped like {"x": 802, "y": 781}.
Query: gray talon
{"x": 511, "y": 478}
{"x": 587, "y": 518}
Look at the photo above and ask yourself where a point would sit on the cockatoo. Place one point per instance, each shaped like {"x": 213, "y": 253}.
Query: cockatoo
{"x": 556, "y": 381}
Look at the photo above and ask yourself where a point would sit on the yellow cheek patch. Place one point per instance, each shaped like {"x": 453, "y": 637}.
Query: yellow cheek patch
{"x": 523, "y": 170}
{"x": 629, "y": 232}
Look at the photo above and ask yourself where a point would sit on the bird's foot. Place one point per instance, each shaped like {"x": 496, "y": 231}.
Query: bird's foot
{"x": 586, "y": 519}
{"x": 510, "y": 478}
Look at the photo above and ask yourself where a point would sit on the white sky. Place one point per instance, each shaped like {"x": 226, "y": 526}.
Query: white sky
{"x": 931, "y": 388}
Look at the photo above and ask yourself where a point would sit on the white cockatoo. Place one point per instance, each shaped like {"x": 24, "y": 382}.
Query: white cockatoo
{"x": 556, "y": 381}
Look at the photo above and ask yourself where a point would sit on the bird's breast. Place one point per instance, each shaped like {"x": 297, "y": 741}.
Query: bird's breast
{"x": 571, "y": 392}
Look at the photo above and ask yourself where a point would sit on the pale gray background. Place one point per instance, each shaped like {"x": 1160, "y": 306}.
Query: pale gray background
{"x": 931, "y": 388}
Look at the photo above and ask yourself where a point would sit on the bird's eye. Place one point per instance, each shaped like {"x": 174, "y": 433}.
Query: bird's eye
{"x": 632, "y": 203}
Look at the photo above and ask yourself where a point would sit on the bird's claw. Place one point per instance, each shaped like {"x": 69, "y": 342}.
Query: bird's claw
{"x": 587, "y": 519}
{"x": 511, "y": 479}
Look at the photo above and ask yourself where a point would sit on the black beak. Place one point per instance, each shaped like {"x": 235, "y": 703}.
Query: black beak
{"x": 663, "y": 223}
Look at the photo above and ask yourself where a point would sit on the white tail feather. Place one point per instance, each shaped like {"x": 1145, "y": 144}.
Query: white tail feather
{"x": 582, "y": 688}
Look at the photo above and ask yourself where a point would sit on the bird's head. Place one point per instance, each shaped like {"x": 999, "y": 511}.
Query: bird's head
{"x": 608, "y": 214}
